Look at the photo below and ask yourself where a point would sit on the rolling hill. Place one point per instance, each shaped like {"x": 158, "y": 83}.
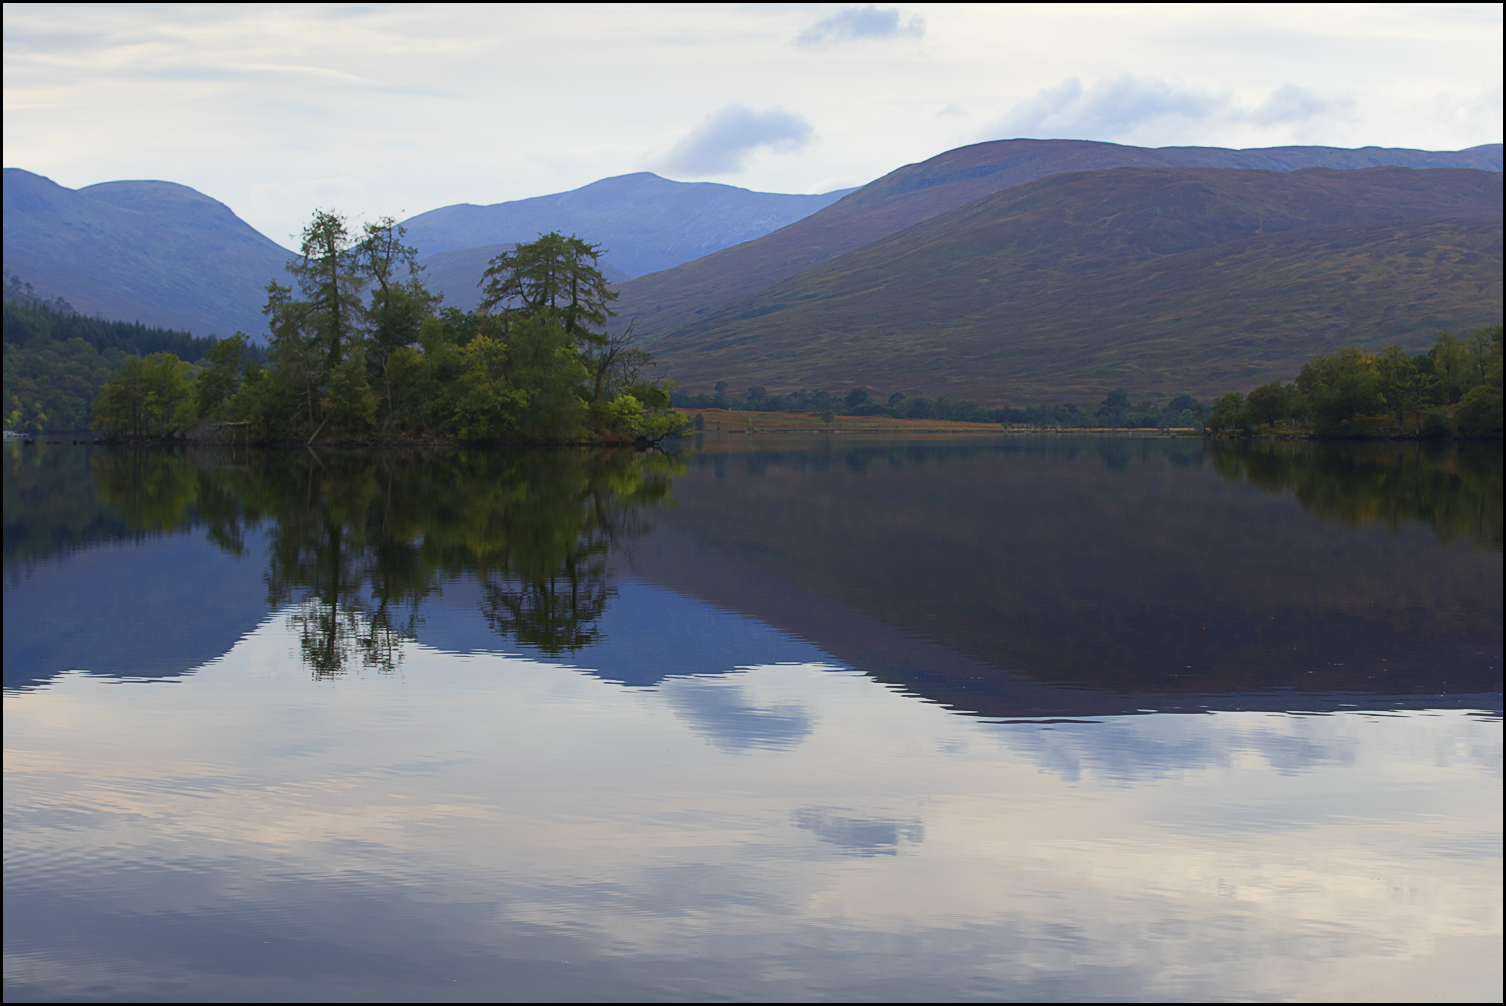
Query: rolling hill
{"x": 1161, "y": 280}
{"x": 664, "y": 301}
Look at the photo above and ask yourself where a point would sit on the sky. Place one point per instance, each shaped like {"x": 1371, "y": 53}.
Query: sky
{"x": 394, "y": 109}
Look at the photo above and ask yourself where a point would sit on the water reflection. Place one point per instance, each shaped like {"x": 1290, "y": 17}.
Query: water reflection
{"x": 488, "y": 826}
{"x": 358, "y": 542}
{"x": 719, "y": 711}
{"x": 591, "y": 726}
{"x": 1455, "y": 489}
{"x": 1151, "y": 569}
{"x": 974, "y": 573}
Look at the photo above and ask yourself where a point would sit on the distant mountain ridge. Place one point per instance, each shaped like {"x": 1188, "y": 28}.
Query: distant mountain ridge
{"x": 167, "y": 255}
{"x": 911, "y": 194}
{"x": 646, "y": 223}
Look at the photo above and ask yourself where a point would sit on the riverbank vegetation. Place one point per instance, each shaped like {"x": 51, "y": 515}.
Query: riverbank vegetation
{"x": 362, "y": 351}
{"x": 1116, "y": 411}
{"x": 1454, "y": 389}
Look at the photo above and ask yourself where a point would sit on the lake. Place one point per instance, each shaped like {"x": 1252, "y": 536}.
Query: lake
{"x": 819, "y": 717}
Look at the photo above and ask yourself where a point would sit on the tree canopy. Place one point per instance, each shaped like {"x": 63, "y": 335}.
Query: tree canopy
{"x": 361, "y": 349}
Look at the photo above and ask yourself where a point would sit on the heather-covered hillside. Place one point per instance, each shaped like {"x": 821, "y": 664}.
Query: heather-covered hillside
{"x": 1153, "y": 280}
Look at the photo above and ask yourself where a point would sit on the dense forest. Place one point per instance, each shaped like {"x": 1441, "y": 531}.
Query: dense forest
{"x": 56, "y": 360}
{"x": 362, "y": 351}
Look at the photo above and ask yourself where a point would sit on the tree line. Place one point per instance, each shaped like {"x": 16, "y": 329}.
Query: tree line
{"x": 1453, "y": 389}
{"x": 1117, "y": 410}
{"x": 360, "y": 349}
{"x": 56, "y": 360}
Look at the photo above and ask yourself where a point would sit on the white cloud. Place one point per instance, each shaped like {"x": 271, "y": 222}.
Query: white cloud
{"x": 1292, "y": 104}
{"x": 1122, "y": 107}
{"x": 861, "y": 22}
{"x": 724, "y": 141}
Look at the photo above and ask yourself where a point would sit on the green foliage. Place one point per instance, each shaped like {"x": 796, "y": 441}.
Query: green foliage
{"x": 655, "y": 427}
{"x": 329, "y": 274}
{"x": 1269, "y": 403}
{"x": 148, "y": 397}
{"x": 350, "y": 407}
{"x": 1454, "y": 388}
{"x": 1479, "y": 412}
{"x": 52, "y": 385}
{"x": 27, "y": 322}
{"x": 488, "y": 407}
{"x": 55, "y": 362}
{"x": 554, "y": 273}
{"x": 531, "y": 366}
{"x": 1115, "y": 407}
{"x": 1228, "y": 412}
{"x": 220, "y": 378}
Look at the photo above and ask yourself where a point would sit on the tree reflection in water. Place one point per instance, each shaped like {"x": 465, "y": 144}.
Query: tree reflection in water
{"x": 359, "y": 540}
{"x": 1454, "y": 488}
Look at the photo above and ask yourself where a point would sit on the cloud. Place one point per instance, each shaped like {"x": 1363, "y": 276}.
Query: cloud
{"x": 860, "y": 836}
{"x": 718, "y": 710}
{"x": 1112, "y": 109}
{"x": 861, "y": 22}
{"x": 724, "y": 141}
{"x": 1107, "y": 108}
{"x": 1290, "y": 103}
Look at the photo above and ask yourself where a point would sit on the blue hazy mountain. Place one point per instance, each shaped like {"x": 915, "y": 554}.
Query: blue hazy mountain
{"x": 155, "y": 252}
{"x": 169, "y": 256}
{"x": 646, "y": 223}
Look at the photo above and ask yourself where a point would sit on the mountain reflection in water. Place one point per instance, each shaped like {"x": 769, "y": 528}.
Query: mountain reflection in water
{"x": 996, "y": 577}
{"x": 772, "y": 718}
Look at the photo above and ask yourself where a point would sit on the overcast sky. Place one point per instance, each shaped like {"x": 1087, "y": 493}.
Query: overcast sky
{"x": 377, "y": 109}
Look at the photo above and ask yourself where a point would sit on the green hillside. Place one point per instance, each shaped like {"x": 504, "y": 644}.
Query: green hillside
{"x": 1154, "y": 280}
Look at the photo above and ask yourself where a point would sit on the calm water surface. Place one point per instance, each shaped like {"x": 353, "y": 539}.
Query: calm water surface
{"x": 806, "y": 718}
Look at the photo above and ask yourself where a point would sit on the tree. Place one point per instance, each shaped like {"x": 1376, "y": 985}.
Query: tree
{"x": 616, "y": 362}
{"x": 1228, "y": 410}
{"x": 1115, "y": 406}
{"x": 220, "y": 377}
{"x": 148, "y": 397}
{"x": 488, "y": 408}
{"x": 555, "y": 272}
{"x": 400, "y": 303}
{"x": 328, "y": 274}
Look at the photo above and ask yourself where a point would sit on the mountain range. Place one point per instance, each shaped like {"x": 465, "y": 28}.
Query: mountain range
{"x": 1010, "y": 271}
{"x": 169, "y": 256}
